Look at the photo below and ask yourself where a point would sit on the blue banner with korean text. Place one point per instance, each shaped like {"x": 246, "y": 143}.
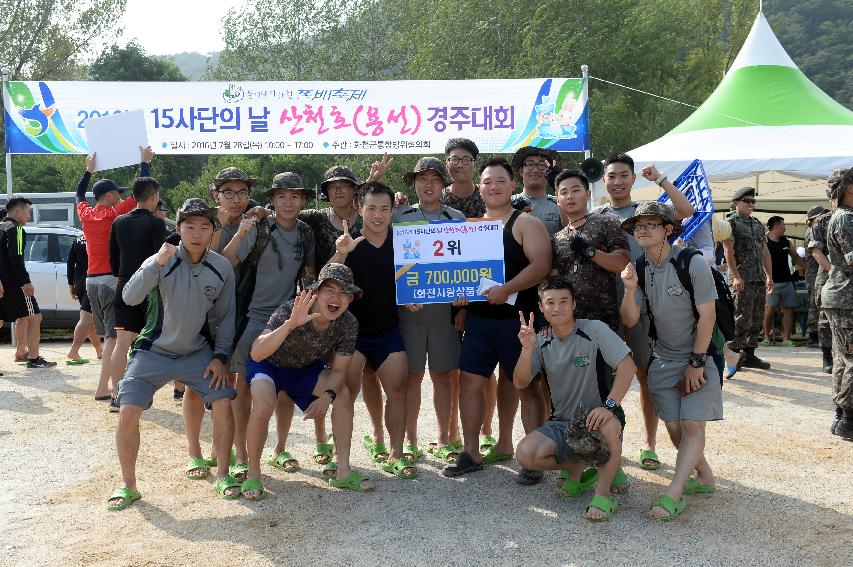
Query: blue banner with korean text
{"x": 694, "y": 184}
{"x": 440, "y": 261}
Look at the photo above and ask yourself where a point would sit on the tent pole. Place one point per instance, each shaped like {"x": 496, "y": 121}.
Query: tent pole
{"x": 756, "y": 183}
{"x": 587, "y": 153}
{"x": 4, "y": 74}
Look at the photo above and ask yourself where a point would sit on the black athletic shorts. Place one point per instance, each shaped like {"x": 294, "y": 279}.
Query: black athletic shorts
{"x": 83, "y": 297}
{"x": 128, "y": 317}
{"x": 16, "y": 305}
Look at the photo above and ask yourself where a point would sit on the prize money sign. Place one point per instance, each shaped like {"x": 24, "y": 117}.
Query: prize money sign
{"x": 439, "y": 261}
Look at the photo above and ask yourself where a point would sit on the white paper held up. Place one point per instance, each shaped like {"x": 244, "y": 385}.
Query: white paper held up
{"x": 116, "y": 138}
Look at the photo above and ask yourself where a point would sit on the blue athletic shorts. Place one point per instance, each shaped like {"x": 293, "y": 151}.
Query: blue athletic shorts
{"x": 489, "y": 342}
{"x": 297, "y": 383}
{"x": 376, "y": 351}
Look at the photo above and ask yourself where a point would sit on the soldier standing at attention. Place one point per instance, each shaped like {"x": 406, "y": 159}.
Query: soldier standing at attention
{"x": 749, "y": 264}
{"x": 813, "y": 266}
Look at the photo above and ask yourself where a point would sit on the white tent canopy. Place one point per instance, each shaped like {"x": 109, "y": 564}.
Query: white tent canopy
{"x": 765, "y": 115}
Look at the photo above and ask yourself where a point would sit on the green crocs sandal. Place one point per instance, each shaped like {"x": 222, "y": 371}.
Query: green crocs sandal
{"x": 399, "y": 468}
{"x": 493, "y": 456}
{"x": 280, "y": 462}
{"x": 487, "y": 443}
{"x": 239, "y": 471}
{"x": 620, "y": 482}
{"x": 224, "y": 483}
{"x": 330, "y": 470}
{"x": 433, "y": 446}
{"x": 197, "y": 464}
{"x": 76, "y": 361}
{"x": 253, "y": 484}
{"x": 573, "y": 488}
{"x": 412, "y": 452}
{"x": 649, "y": 455}
{"x": 127, "y": 496}
{"x": 323, "y": 453}
{"x": 692, "y": 486}
{"x": 212, "y": 463}
{"x": 351, "y": 482}
{"x": 447, "y": 453}
{"x": 376, "y": 450}
{"x": 672, "y": 507}
{"x": 603, "y": 503}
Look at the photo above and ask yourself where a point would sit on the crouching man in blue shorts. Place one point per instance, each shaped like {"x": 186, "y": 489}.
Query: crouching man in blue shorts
{"x": 575, "y": 360}
{"x": 304, "y": 353}
{"x": 186, "y": 286}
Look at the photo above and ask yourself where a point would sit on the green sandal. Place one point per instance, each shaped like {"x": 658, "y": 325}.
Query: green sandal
{"x": 487, "y": 443}
{"x": 280, "y": 462}
{"x": 493, "y": 456}
{"x": 376, "y": 450}
{"x": 603, "y": 503}
{"x": 212, "y": 463}
{"x": 412, "y": 452}
{"x": 76, "y": 361}
{"x": 433, "y": 446}
{"x": 253, "y": 484}
{"x": 330, "y": 470}
{"x": 447, "y": 453}
{"x": 399, "y": 468}
{"x": 197, "y": 464}
{"x": 323, "y": 453}
{"x": 672, "y": 507}
{"x": 692, "y": 486}
{"x": 351, "y": 482}
{"x": 620, "y": 482}
{"x": 224, "y": 483}
{"x": 573, "y": 488}
{"x": 127, "y": 495}
{"x": 649, "y": 455}
{"x": 239, "y": 471}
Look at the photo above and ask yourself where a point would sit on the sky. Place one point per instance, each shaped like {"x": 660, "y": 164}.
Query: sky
{"x": 164, "y": 27}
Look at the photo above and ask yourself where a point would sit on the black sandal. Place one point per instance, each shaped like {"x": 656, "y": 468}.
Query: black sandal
{"x": 464, "y": 464}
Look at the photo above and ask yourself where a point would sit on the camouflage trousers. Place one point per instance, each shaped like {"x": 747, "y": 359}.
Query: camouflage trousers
{"x": 814, "y": 310}
{"x": 824, "y": 333}
{"x": 749, "y": 315}
{"x": 841, "y": 322}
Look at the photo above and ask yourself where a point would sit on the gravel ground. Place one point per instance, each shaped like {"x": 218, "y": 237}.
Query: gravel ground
{"x": 785, "y": 498}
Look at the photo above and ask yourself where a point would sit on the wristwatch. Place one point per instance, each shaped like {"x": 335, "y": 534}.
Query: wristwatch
{"x": 611, "y": 404}
{"x": 698, "y": 360}
{"x": 223, "y": 358}
{"x": 332, "y": 394}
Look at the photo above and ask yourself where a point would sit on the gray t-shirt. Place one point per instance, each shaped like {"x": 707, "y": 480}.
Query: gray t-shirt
{"x": 572, "y": 366}
{"x": 545, "y": 209}
{"x": 228, "y": 232}
{"x": 671, "y": 306}
{"x": 278, "y": 266}
{"x": 703, "y": 240}
{"x": 415, "y": 214}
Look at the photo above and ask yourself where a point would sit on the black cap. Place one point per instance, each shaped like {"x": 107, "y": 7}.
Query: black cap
{"x": 743, "y": 192}
{"x": 104, "y": 186}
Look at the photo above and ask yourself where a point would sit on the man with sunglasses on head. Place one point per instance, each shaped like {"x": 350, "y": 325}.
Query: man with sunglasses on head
{"x": 748, "y": 259}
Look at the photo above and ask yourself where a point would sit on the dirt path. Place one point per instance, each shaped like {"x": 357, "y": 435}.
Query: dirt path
{"x": 785, "y": 498}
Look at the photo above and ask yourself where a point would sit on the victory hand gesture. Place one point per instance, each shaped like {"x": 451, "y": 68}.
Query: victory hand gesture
{"x": 345, "y": 242}
{"x": 379, "y": 168}
{"x": 302, "y": 309}
{"x": 527, "y": 334}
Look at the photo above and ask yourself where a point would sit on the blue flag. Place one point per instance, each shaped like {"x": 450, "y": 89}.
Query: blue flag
{"x": 694, "y": 184}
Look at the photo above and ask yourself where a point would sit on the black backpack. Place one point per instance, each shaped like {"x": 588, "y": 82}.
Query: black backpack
{"x": 724, "y": 306}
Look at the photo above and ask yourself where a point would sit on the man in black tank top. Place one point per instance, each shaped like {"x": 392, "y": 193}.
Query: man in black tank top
{"x": 491, "y": 329}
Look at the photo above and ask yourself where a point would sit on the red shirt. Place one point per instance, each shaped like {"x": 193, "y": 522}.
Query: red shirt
{"x": 97, "y": 222}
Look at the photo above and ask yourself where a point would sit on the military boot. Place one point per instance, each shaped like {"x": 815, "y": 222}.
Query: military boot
{"x": 839, "y": 413}
{"x": 812, "y": 342}
{"x": 827, "y": 360}
{"x": 844, "y": 429}
{"x": 752, "y": 361}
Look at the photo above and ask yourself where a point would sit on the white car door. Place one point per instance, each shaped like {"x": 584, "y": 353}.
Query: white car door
{"x": 42, "y": 271}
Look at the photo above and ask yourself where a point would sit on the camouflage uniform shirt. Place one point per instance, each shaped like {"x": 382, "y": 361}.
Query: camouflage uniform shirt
{"x": 749, "y": 239}
{"x": 837, "y": 293}
{"x": 472, "y": 206}
{"x": 305, "y": 344}
{"x": 816, "y": 239}
{"x": 595, "y": 287}
{"x": 325, "y": 233}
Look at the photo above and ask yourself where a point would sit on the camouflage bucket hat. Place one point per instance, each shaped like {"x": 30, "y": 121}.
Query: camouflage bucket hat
{"x": 836, "y": 181}
{"x": 814, "y": 212}
{"x": 195, "y": 207}
{"x": 341, "y": 274}
{"x": 653, "y": 209}
{"x": 527, "y": 151}
{"x": 288, "y": 180}
{"x": 427, "y": 164}
{"x": 232, "y": 174}
{"x": 337, "y": 173}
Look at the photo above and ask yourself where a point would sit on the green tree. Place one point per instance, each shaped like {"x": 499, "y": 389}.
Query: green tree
{"x": 132, "y": 63}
